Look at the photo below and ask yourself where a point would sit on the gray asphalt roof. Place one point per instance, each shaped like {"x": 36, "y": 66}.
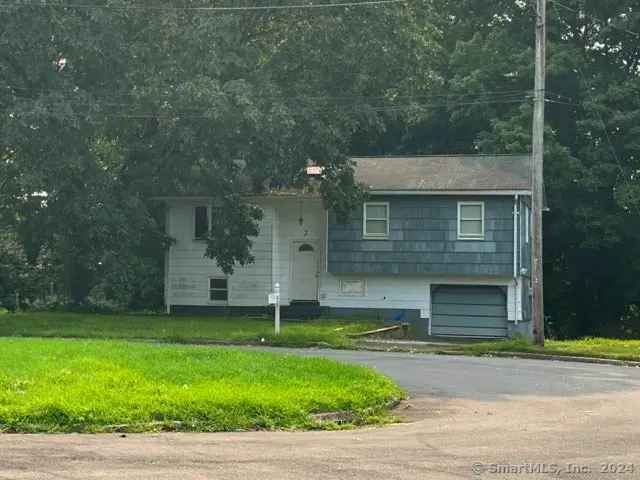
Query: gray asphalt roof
{"x": 444, "y": 172}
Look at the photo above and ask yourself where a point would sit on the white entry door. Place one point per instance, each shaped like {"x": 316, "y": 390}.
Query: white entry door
{"x": 304, "y": 271}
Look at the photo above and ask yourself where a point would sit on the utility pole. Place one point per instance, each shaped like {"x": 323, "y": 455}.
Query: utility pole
{"x": 537, "y": 172}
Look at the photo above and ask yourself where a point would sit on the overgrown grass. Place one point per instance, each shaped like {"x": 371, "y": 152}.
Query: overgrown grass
{"x": 94, "y": 386}
{"x": 586, "y": 347}
{"x": 331, "y": 333}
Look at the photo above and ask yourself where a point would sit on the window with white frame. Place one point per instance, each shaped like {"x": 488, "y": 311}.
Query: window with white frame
{"x": 218, "y": 289}
{"x": 200, "y": 222}
{"x": 376, "y": 220}
{"x": 471, "y": 220}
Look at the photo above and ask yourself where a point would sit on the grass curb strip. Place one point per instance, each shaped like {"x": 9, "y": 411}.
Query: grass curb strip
{"x": 434, "y": 349}
{"x": 561, "y": 358}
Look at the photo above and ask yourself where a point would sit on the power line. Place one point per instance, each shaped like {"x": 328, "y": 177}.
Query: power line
{"x": 328, "y": 102}
{"x": 119, "y": 93}
{"x": 559, "y": 95}
{"x": 452, "y": 103}
{"x": 551, "y": 100}
{"x": 193, "y": 113}
{"x": 578, "y": 12}
{"x": 301, "y": 6}
{"x": 382, "y": 108}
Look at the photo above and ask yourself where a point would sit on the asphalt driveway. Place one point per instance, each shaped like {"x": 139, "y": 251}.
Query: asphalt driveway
{"x": 467, "y": 418}
{"x": 487, "y": 379}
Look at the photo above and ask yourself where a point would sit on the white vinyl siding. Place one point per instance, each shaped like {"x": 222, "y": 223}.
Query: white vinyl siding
{"x": 189, "y": 270}
{"x": 375, "y": 220}
{"x": 471, "y": 220}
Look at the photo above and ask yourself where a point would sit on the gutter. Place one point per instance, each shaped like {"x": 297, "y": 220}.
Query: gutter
{"x": 369, "y": 190}
{"x": 506, "y": 193}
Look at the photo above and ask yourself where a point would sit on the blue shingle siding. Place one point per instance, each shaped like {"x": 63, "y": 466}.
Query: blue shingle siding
{"x": 423, "y": 240}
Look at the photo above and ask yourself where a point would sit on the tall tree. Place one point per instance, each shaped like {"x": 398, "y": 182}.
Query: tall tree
{"x": 107, "y": 105}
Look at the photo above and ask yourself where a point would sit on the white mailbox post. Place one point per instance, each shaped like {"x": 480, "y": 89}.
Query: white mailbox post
{"x": 274, "y": 299}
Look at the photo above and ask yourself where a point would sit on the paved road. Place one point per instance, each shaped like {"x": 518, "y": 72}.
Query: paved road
{"x": 521, "y": 414}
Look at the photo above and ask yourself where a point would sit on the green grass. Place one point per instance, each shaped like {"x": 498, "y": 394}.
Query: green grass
{"x": 94, "y": 386}
{"x": 586, "y": 347}
{"x": 331, "y": 333}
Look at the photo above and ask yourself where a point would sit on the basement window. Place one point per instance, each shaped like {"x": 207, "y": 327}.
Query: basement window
{"x": 471, "y": 220}
{"x": 375, "y": 222}
{"x": 218, "y": 290}
{"x": 352, "y": 287}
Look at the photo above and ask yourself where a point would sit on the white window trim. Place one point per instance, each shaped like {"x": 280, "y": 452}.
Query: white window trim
{"x": 193, "y": 220}
{"x": 364, "y": 220}
{"x": 462, "y": 236}
{"x": 209, "y": 289}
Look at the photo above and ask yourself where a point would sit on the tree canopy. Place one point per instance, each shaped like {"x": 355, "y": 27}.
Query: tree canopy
{"x": 108, "y": 104}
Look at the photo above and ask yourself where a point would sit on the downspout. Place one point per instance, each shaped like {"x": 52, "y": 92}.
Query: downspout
{"x": 167, "y": 261}
{"x": 516, "y": 249}
{"x": 520, "y": 249}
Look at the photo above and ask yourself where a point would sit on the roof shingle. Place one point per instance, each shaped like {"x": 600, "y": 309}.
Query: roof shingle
{"x": 445, "y": 173}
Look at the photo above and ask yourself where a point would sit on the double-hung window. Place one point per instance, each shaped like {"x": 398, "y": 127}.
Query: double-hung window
{"x": 471, "y": 220}
{"x": 375, "y": 222}
{"x": 218, "y": 290}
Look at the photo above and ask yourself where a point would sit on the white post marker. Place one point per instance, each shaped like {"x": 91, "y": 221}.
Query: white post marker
{"x": 277, "y": 295}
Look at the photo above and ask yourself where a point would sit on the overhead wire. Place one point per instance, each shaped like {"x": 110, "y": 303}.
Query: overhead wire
{"x": 284, "y": 95}
{"x": 246, "y": 8}
{"x": 203, "y": 113}
{"x": 371, "y": 102}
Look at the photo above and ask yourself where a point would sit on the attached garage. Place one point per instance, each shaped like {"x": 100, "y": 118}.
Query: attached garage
{"x": 468, "y": 311}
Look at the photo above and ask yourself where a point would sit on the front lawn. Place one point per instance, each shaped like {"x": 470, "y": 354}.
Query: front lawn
{"x": 330, "y": 333}
{"x": 586, "y": 347}
{"x": 93, "y": 386}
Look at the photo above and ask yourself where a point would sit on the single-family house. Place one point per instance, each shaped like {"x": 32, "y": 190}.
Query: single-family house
{"x": 442, "y": 242}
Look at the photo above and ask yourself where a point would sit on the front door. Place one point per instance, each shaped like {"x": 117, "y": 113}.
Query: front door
{"x": 304, "y": 271}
